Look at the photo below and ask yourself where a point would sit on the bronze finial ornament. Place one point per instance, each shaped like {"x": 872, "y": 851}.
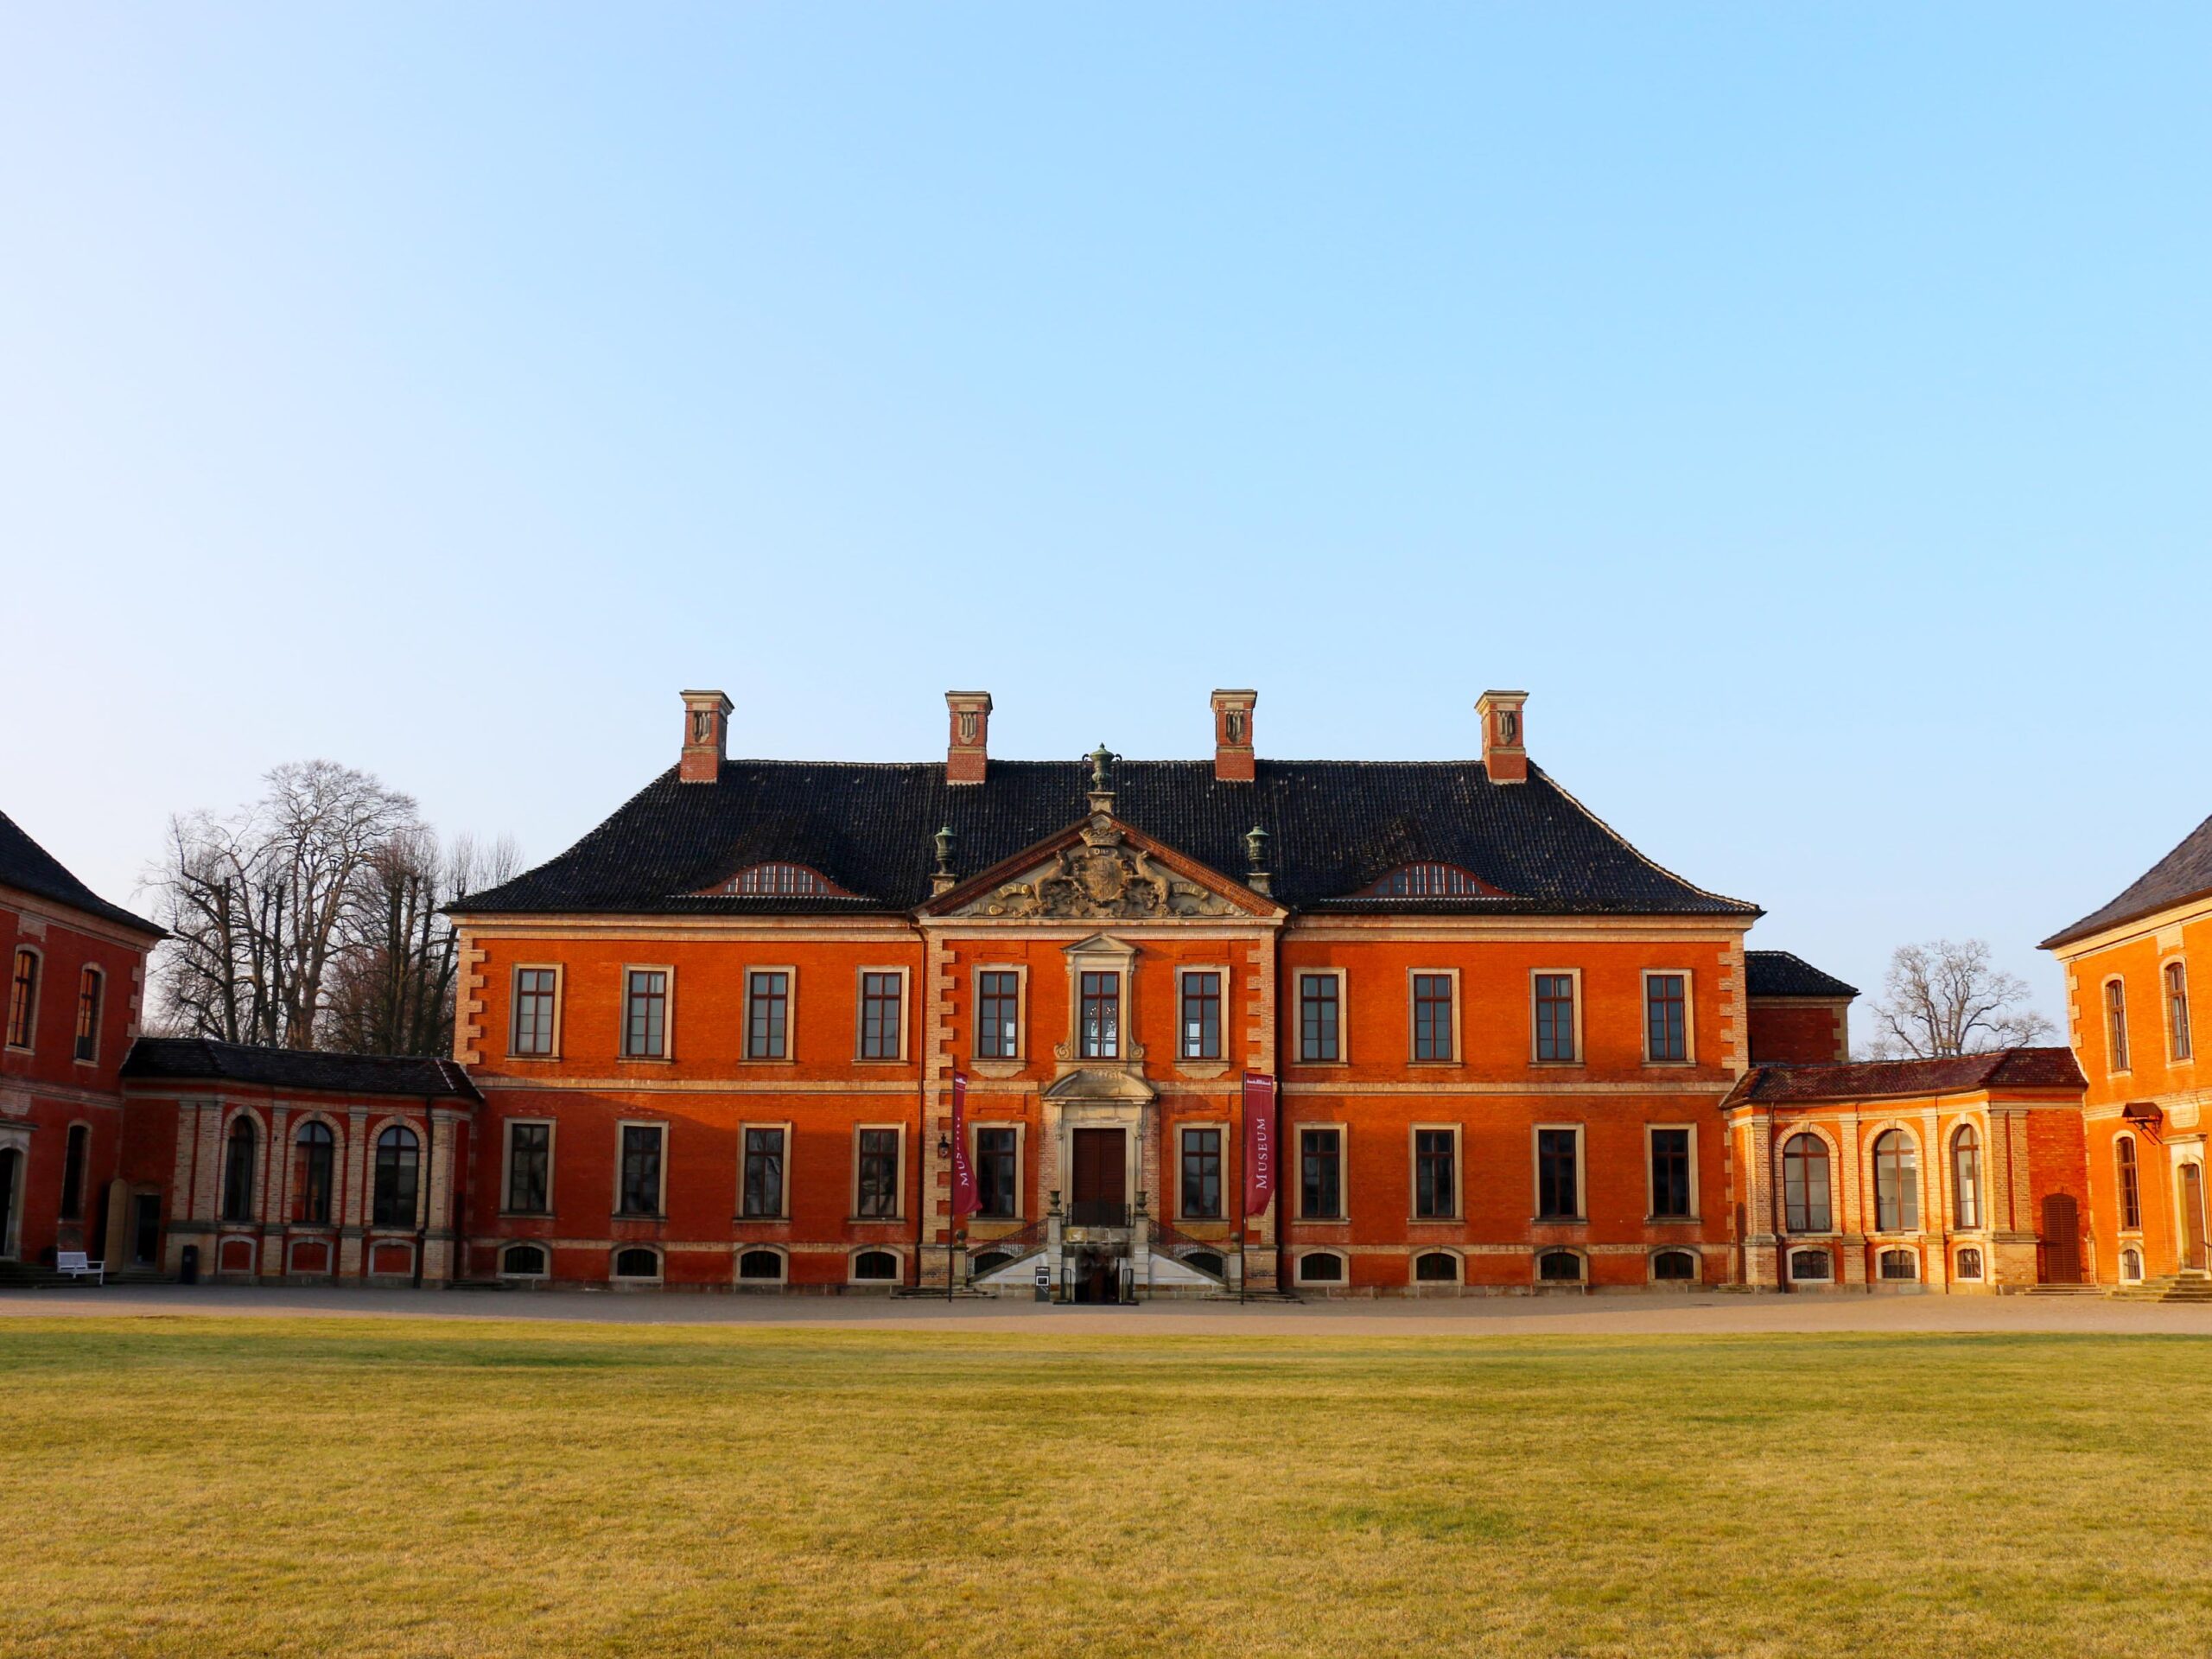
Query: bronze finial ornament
{"x": 1102, "y": 759}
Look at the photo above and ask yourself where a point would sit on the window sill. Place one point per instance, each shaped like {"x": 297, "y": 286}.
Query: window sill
{"x": 879, "y": 1059}
{"x": 1323, "y": 1066}
{"x": 537, "y": 1059}
{"x": 1201, "y": 1070}
{"x": 529, "y": 1215}
{"x": 1559, "y": 1221}
{"x": 1674, "y": 1221}
{"x": 1435, "y": 1221}
{"x": 644, "y": 1060}
{"x": 1559, "y": 1065}
{"x": 768, "y": 1059}
{"x": 1434, "y": 1065}
{"x": 871, "y": 1221}
{"x": 1670, "y": 1065}
{"x": 998, "y": 1065}
{"x": 633, "y": 1215}
{"x": 760, "y": 1221}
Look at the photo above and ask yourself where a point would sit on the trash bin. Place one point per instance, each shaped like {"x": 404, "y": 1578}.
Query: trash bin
{"x": 189, "y": 1271}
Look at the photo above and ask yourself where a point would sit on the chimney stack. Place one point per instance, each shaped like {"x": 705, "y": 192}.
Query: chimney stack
{"x": 1505, "y": 754}
{"x": 705, "y": 737}
{"x": 968, "y": 754}
{"x": 1232, "y": 736}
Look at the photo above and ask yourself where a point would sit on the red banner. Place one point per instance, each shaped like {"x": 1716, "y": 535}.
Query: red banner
{"x": 966, "y": 1200}
{"x": 1259, "y": 1141}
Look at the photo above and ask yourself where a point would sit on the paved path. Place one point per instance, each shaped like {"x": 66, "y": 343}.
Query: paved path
{"x": 1498, "y": 1316}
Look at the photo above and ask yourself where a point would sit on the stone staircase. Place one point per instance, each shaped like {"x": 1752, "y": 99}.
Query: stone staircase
{"x": 2174, "y": 1288}
{"x": 2065, "y": 1290}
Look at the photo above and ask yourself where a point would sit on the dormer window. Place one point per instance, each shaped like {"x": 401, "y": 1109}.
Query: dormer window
{"x": 1431, "y": 881}
{"x": 777, "y": 881}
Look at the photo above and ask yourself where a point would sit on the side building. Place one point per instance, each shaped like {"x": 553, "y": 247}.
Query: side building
{"x": 716, "y": 1039}
{"x": 2130, "y": 968}
{"x": 77, "y": 967}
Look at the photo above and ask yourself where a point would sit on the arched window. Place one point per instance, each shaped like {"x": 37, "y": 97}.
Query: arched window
{"x": 2131, "y": 1267}
{"x": 1436, "y": 1268}
{"x": 1966, "y": 1177}
{"x": 1320, "y": 1269}
{"x": 637, "y": 1264}
{"x": 1431, "y": 880}
{"x": 2131, "y": 1193}
{"x": 399, "y": 1163}
{"x": 760, "y": 1266}
{"x": 523, "y": 1262}
{"x": 779, "y": 880}
{"x": 873, "y": 1266}
{"x": 1559, "y": 1267}
{"x": 1674, "y": 1266}
{"x": 1896, "y": 1183}
{"x": 1805, "y": 1184}
{"x": 73, "y": 1154}
{"x": 1969, "y": 1264}
{"x": 314, "y": 1156}
{"x": 2177, "y": 1043}
{"x": 1900, "y": 1264}
{"x": 1810, "y": 1268}
{"x": 238, "y": 1171}
{"x": 22, "y": 998}
{"x": 88, "y": 1013}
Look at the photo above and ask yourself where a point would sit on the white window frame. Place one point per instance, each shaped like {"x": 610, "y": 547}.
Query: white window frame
{"x": 1650, "y": 1170}
{"x": 1101, "y": 954}
{"x": 859, "y": 1014}
{"x": 544, "y": 1248}
{"x": 622, "y": 1126}
{"x": 1343, "y": 1258}
{"x": 1185, "y": 1126}
{"x": 37, "y": 1000}
{"x": 1689, "y": 1014}
{"x": 1536, "y": 1264}
{"x": 1581, "y": 1216}
{"x": 898, "y": 1265}
{"x": 1342, "y": 1132}
{"x": 560, "y": 1007}
{"x": 1413, "y": 1263}
{"x": 1573, "y": 976}
{"x": 1697, "y": 1263}
{"x": 1299, "y": 976}
{"x": 1458, "y": 1211}
{"x": 1020, "y": 972}
{"x": 853, "y": 1183}
{"x": 737, "y": 1258}
{"x": 1793, "y": 1250}
{"x": 100, "y": 1012}
{"x": 1413, "y": 1018}
{"x": 789, "y": 1056}
{"x": 552, "y": 1127}
{"x": 783, "y": 1197}
{"x": 975, "y": 1126}
{"x": 2166, "y": 965}
{"x": 1183, "y": 972}
{"x": 2126, "y": 1036}
{"x": 667, "y": 1016}
{"x": 615, "y": 1252}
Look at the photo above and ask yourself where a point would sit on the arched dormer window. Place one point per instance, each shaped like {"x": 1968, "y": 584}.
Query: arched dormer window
{"x": 1431, "y": 881}
{"x": 778, "y": 880}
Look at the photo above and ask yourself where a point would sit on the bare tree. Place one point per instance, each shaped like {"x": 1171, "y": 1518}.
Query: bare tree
{"x": 392, "y": 992}
{"x": 1947, "y": 998}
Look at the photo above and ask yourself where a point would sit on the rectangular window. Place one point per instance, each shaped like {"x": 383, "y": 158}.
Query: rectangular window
{"x": 22, "y": 999}
{"x": 1555, "y": 1017}
{"x": 998, "y": 1173}
{"x": 877, "y": 1189}
{"x": 534, "y": 1010}
{"x": 529, "y": 1167}
{"x": 767, "y": 1008}
{"x": 1666, "y": 1017}
{"x": 1202, "y": 1016}
{"x": 1202, "y": 1174}
{"x": 1320, "y": 1174}
{"x": 1558, "y": 1186}
{"x": 88, "y": 1013}
{"x": 2116, "y": 1026}
{"x": 1431, "y": 1016}
{"x": 998, "y": 1016}
{"x": 645, "y": 1021}
{"x": 2177, "y": 1010}
{"x": 1317, "y": 1016}
{"x": 641, "y": 1145}
{"x": 880, "y": 995}
{"x": 1436, "y": 1174}
{"x": 1101, "y": 1016}
{"x": 1671, "y": 1174}
{"x": 763, "y": 1174}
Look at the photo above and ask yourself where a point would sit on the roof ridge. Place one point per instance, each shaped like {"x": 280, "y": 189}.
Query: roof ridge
{"x": 1635, "y": 851}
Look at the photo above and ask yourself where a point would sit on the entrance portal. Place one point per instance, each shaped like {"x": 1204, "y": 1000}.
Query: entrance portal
{"x": 1100, "y": 1186}
{"x": 146, "y": 1229}
{"x": 1097, "y": 1277}
{"x": 2061, "y": 1238}
{"x": 2192, "y": 1217}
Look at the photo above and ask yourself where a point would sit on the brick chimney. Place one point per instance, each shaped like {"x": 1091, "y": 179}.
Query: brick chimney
{"x": 705, "y": 737}
{"x": 969, "y": 752}
{"x": 1505, "y": 754}
{"x": 1232, "y": 736}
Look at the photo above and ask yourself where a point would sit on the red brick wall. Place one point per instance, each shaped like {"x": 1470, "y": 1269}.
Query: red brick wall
{"x": 1801, "y": 1032}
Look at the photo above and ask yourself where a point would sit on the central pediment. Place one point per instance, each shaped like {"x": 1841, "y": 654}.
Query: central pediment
{"x": 1102, "y": 870}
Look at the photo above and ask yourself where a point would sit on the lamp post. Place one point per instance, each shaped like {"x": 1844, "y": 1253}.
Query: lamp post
{"x": 951, "y": 1232}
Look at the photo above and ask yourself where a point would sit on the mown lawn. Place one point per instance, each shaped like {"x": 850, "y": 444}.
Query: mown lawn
{"x": 371, "y": 1487}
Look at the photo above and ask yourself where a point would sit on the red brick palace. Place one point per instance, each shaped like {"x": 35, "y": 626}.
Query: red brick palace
{"x": 714, "y": 1044}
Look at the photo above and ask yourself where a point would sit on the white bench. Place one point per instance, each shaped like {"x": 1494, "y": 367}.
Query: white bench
{"x": 72, "y": 1263}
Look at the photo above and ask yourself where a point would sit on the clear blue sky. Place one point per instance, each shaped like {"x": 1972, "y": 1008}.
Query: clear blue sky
{"x": 1806, "y": 404}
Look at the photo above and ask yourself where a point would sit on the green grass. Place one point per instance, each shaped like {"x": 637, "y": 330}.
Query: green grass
{"x": 371, "y": 1487}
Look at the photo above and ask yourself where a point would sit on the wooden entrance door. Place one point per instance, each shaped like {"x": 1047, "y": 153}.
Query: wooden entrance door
{"x": 2192, "y": 1217}
{"x": 2062, "y": 1239}
{"x": 146, "y": 1229}
{"x": 1100, "y": 1183}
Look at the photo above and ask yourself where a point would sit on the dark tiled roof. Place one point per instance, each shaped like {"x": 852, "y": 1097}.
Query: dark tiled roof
{"x": 2003, "y": 1068}
{"x": 1335, "y": 826}
{"x": 2184, "y": 874}
{"x": 26, "y": 865}
{"x": 200, "y": 1059}
{"x": 1777, "y": 972}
